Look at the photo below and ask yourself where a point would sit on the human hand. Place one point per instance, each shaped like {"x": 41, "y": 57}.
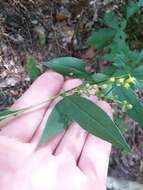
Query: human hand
{"x": 74, "y": 160}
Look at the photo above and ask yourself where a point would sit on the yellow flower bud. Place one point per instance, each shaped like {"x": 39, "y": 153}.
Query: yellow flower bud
{"x": 129, "y": 106}
{"x": 81, "y": 91}
{"x": 87, "y": 85}
{"x": 126, "y": 85}
{"x": 71, "y": 74}
{"x": 124, "y": 109}
{"x": 104, "y": 86}
{"x": 125, "y": 102}
{"x": 126, "y": 106}
{"x": 131, "y": 80}
{"x": 120, "y": 81}
{"x": 94, "y": 86}
{"x": 112, "y": 79}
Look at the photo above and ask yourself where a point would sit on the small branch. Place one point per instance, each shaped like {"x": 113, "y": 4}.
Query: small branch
{"x": 9, "y": 117}
{"x": 16, "y": 113}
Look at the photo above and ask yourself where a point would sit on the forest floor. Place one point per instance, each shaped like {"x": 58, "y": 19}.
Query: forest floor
{"x": 46, "y": 29}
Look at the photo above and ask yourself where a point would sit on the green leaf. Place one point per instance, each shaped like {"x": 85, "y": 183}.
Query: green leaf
{"x": 7, "y": 113}
{"x": 32, "y": 68}
{"x": 119, "y": 44}
{"x": 121, "y": 73}
{"x": 128, "y": 95}
{"x": 135, "y": 58}
{"x": 140, "y": 3}
{"x": 110, "y": 70}
{"x": 139, "y": 84}
{"x": 111, "y": 20}
{"x": 120, "y": 60}
{"x": 138, "y": 72}
{"x": 132, "y": 9}
{"x": 101, "y": 38}
{"x": 56, "y": 123}
{"x": 117, "y": 59}
{"x": 93, "y": 119}
{"x": 68, "y": 66}
{"x": 109, "y": 57}
{"x": 123, "y": 24}
{"x": 99, "y": 77}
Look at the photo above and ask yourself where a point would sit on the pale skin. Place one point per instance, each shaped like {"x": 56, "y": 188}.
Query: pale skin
{"x": 73, "y": 160}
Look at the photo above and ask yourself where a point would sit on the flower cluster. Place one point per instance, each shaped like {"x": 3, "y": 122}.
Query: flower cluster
{"x": 125, "y": 83}
{"x": 101, "y": 90}
{"x": 94, "y": 89}
{"x": 88, "y": 89}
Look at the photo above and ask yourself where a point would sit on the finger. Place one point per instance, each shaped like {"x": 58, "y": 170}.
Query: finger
{"x": 72, "y": 142}
{"x": 95, "y": 155}
{"x": 75, "y": 136}
{"x": 38, "y": 133}
{"x": 51, "y": 144}
{"x": 23, "y": 127}
{"x": 95, "y": 158}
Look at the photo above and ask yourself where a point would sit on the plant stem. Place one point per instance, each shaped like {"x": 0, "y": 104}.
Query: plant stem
{"x": 36, "y": 106}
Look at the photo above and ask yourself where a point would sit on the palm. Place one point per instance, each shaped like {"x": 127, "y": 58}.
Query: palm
{"x": 40, "y": 169}
{"x": 69, "y": 161}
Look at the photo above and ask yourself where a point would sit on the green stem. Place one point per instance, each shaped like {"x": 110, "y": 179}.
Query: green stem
{"x": 36, "y": 106}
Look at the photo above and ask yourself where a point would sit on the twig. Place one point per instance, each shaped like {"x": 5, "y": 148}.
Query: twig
{"x": 28, "y": 109}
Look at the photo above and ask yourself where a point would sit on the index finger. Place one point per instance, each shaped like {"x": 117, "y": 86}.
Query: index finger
{"x": 95, "y": 155}
{"x": 24, "y": 126}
